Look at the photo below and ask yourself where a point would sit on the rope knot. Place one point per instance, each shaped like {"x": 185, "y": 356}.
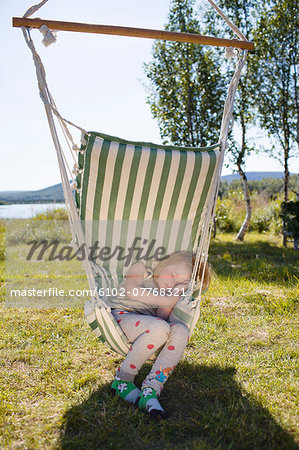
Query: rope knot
{"x": 49, "y": 36}
{"x": 75, "y": 169}
{"x": 230, "y": 52}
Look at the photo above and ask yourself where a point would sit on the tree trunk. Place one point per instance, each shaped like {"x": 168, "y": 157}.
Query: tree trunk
{"x": 286, "y": 180}
{"x": 214, "y": 227}
{"x": 239, "y": 163}
{"x": 297, "y": 199}
{"x": 245, "y": 224}
{"x": 286, "y": 191}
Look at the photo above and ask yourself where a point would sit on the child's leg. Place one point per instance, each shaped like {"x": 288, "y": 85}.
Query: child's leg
{"x": 163, "y": 366}
{"x": 168, "y": 357}
{"x": 148, "y": 333}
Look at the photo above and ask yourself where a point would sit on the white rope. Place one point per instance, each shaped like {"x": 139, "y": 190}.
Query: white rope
{"x": 34, "y": 8}
{"x": 44, "y": 30}
{"x": 64, "y": 121}
{"x": 202, "y": 249}
{"x": 75, "y": 225}
{"x": 230, "y": 24}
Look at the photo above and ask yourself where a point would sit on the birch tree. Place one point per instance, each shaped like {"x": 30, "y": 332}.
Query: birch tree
{"x": 186, "y": 84}
{"x": 274, "y": 74}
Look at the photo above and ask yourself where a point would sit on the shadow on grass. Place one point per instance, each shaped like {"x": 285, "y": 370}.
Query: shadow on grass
{"x": 209, "y": 410}
{"x": 259, "y": 261}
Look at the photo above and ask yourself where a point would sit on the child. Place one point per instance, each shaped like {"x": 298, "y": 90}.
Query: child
{"x": 142, "y": 309}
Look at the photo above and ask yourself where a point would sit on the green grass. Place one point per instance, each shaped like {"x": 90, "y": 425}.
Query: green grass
{"x": 235, "y": 387}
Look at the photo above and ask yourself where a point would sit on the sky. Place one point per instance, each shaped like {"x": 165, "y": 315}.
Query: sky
{"x": 97, "y": 82}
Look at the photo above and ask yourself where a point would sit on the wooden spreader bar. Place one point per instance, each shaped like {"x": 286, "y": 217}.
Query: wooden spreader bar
{"x": 131, "y": 32}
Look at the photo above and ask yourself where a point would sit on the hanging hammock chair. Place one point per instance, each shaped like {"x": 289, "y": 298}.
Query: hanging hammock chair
{"x": 125, "y": 194}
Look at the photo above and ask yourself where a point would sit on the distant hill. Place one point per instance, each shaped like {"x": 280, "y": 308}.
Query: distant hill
{"x": 50, "y": 194}
{"x": 55, "y": 193}
{"x": 257, "y": 176}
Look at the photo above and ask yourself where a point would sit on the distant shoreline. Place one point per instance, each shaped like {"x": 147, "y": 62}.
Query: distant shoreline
{"x": 28, "y": 210}
{"x": 31, "y": 202}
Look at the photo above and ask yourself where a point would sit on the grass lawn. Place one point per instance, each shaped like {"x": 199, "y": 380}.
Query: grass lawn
{"x": 235, "y": 387}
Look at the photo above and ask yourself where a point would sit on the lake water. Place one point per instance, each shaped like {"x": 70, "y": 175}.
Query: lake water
{"x": 25, "y": 211}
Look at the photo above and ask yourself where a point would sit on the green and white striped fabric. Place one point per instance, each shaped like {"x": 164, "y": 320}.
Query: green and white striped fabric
{"x": 137, "y": 200}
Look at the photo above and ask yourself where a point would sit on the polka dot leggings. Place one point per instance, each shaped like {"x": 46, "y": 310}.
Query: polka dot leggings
{"x": 148, "y": 334}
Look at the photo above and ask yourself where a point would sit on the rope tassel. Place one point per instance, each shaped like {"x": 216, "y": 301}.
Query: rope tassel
{"x": 231, "y": 52}
{"x": 49, "y": 36}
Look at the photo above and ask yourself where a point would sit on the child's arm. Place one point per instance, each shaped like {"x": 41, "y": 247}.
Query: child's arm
{"x": 135, "y": 291}
{"x": 163, "y": 313}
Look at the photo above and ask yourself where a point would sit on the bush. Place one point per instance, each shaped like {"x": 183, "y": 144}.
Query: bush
{"x": 290, "y": 215}
{"x": 276, "y": 222}
{"x": 229, "y": 212}
{"x": 52, "y": 214}
{"x": 2, "y": 241}
{"x": 266, "y": 213}
{"x": 260, "y": 221}
{"x": 50, "y": 225}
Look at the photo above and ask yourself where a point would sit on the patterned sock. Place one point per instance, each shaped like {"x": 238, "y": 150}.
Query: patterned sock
{"x": 148, "y": 400}
{"x": 125, "y": 390}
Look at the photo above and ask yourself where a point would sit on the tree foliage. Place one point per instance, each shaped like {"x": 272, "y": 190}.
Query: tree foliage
{"x": 274, "y": 77}
{"x": 187, "y": 86}
{"x": 290, "y": 215}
